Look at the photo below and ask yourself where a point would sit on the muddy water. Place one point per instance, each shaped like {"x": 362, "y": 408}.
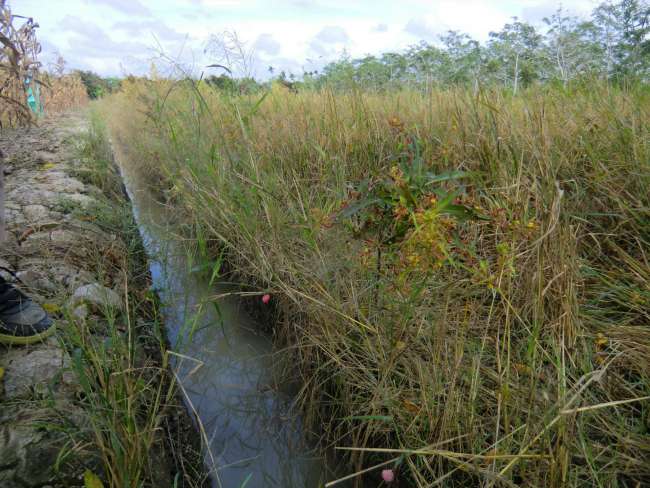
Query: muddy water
{"x": 254, "y": 436}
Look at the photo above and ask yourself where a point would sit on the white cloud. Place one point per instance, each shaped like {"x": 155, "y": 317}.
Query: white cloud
{"x": 266, "y": 44}
{"x": 420, "y": 29}
{"x": 130, "y": 7}
{"x": 332, "y": 34}
{"x": 143, "y": 29}
{"x": 287, "y": 34}
{"x": 219, "y": 3}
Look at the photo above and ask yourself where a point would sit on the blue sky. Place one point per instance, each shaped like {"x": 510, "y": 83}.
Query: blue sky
{"x": 114, "y": 37}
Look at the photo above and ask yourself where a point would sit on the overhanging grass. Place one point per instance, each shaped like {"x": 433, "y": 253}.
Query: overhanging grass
{"x": 509, "y": 336}
{"x": 133, "y": 416}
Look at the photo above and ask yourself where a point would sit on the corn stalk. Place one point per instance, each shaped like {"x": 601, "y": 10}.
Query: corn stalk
{"x": 18, "y": 63}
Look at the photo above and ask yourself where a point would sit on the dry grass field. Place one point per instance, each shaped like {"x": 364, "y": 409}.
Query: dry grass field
{"x": 463, "y": 279}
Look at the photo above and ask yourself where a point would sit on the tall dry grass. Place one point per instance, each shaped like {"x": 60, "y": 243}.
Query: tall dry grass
{"x": 20, "y": 68}
{"x": 506, "y": 342}
{"x": 63, "y": 92}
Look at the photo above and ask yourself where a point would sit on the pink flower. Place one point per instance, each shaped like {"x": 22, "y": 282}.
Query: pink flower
{"x": 266, "y": 299}
{"x": 388, "y": 475}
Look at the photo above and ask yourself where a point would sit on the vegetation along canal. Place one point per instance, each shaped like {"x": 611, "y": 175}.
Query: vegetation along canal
{"x": 223, "y": 365}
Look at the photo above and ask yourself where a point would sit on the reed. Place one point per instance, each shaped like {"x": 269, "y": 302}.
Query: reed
{"x": 462, "y": 279}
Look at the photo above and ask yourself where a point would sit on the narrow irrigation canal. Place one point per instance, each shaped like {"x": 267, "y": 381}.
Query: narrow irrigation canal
{"x": 224, "y": 366}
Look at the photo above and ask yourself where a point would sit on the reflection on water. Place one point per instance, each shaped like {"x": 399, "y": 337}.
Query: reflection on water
{"x": 225, "y": 369}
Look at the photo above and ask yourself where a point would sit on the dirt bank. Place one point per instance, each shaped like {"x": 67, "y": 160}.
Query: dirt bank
{"x": 95, "y": 399}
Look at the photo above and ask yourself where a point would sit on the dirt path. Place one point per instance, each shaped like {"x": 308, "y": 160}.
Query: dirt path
{"x": 60, "y": 250}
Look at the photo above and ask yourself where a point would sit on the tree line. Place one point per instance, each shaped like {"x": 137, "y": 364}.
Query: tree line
{"x": 612, "y": 44}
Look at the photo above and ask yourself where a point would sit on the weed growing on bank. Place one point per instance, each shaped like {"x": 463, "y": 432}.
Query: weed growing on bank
{"x": 127, "y": 392}
{"x": 463, "y": 280}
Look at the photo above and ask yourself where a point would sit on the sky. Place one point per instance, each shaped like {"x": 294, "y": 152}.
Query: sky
{"x": 118, "y": 37}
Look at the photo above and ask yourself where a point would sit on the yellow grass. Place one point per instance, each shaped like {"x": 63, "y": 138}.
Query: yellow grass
{"x": 496, "y": 332}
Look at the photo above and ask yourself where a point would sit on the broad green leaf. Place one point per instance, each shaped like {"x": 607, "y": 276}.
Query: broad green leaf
{"x": 408, "y": 196}
{"x": 446, "y": 202}
{"x": 463, "y": 213}
{"x": 355, "y": 208}
{"x": 91, "y": 480}
{"x": 449, "y": 175}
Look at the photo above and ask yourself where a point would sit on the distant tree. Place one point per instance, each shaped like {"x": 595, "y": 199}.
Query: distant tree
{"x": 97, "y": 86}
{"x": 570, "y": 48}
{"x": 515, "y": 53}
{"x": 397, "y": 66}
{"x": 232, "y": 85}
{"x": 613, "y": 44}
{"x": 339, "y": 73}
{"x": 466, "y": 59}
{"x": 369, "y": 71}
{"x": 624, "y": 27}
{"x": 425, "y": 64}
{"x": 222, "y": 82}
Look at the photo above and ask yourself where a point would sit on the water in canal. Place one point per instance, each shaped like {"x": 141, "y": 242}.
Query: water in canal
{"x": 255, "y": 437}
